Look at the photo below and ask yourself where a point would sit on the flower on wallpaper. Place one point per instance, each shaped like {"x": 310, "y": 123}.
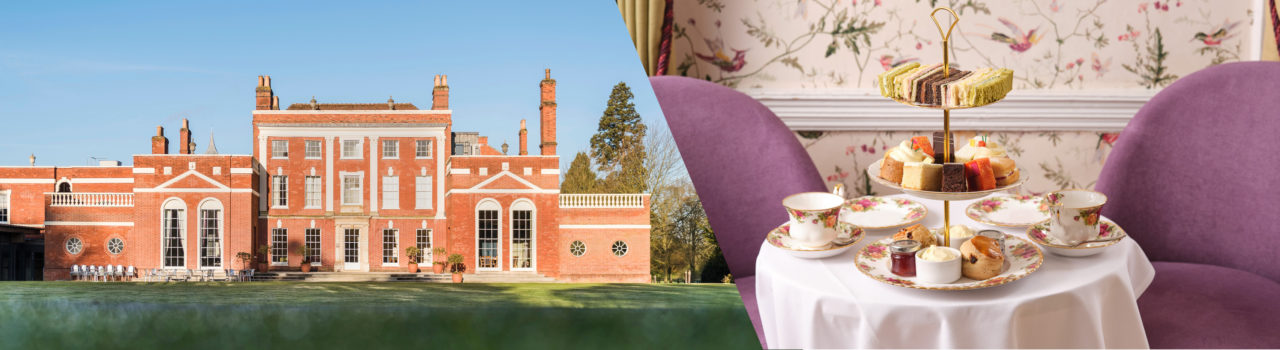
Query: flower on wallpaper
{"x": 1053, "y": 6}
{"x": 1019, "y": 41}
{"x": 1099, "y": 66}
{"x": 888, "y": 61}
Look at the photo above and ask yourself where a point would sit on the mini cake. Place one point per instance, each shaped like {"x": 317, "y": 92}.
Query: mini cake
{"x": 1005, "y": 170}
{"x": 891, "y": 166}
{"x": 917, "y": 233}
{"x": 921, "y": 176}
{"x": 953, "y": 179}
{"x": 922, "y": 143}
{"x": 938, "y": 149}
{"x": 979, "y": 147}
{"x": 979, "y": 174}
{"x": 981, "y": 258}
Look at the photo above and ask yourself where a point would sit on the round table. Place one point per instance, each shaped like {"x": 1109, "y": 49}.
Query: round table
{"x": 1088, "y": 302}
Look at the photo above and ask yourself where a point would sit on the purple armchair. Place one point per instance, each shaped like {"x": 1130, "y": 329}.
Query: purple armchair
{"x": 1194, "y": 180}
{"x": 742, "y": 161}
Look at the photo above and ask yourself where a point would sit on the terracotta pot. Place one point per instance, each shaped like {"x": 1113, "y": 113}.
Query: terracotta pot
{"x": 306, "y": 267}
{"x": 437, "y": 268}
{"x": 457, "y": 278}
{"x": 413, "y": 267}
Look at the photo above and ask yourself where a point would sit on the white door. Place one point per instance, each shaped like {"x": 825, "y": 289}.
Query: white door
{"x": 351, "y": 249}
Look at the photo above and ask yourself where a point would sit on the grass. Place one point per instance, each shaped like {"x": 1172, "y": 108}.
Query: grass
{"x": 370, "y": 315}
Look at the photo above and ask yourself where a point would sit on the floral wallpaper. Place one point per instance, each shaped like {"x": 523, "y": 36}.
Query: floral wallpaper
{"x": 1060, "y": 160}
{"x": 1052, "y": 45}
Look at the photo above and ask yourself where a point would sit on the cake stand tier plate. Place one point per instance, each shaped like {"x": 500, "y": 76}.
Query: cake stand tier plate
{"x": 873, "y": 171}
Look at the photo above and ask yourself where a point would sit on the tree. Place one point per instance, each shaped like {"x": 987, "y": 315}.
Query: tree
{"x": 692, "y": 229}
{"x": 580, "y": 178}
{"x": 618, "y": 145}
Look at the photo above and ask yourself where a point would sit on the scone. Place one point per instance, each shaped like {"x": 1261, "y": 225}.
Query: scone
{"x": 917, "y": 233}
{"x": 981, "y": 258}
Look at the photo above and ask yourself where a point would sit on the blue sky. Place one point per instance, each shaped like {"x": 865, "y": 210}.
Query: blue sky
{"x": 88, "y": 79}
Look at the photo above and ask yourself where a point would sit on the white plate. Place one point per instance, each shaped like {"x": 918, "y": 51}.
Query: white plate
{"x": 1009, "y": 210}
{"x": 873, "y": 171}
{"x": 1038, "y": 234}
{"x": 1023, "y": 259}
{"x": 846, "y": 237}
{"x": 872, "y": 212}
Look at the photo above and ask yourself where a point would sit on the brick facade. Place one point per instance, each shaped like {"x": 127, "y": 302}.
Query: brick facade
{"x": 356, "y": 173}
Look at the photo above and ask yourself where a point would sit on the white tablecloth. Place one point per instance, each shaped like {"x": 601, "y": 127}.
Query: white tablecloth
{"x": 1087, "y": 302}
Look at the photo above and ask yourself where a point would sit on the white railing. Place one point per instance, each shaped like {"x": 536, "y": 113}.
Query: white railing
{"x": 594, "y": 200}
{"x": 87, "y": 199}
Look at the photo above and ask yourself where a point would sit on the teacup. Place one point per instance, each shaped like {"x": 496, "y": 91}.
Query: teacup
{"x": 1074, "y": 214}
{"x": 814, "y": 216}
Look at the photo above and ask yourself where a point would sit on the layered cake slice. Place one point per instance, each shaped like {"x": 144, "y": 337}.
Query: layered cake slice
{"x": 921, "y": 176}
{"x": 938, "y": 149}
{"x": 981, "y": 178}
{"x": 953, "y": 179}
{"x": 891, "y": 169}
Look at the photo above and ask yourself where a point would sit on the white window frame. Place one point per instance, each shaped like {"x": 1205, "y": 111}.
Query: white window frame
{"x": 278, "y": 151}
{"x": 211, "y": 204}
{"x": 4, "y": 205}
{"x": 427, "y": 258}
{"x": 394, "y": 258}
{"x": 357, "y": 151}
{"x": 488, "y": 204}
{"x": 342, "y": 187}
{"x": 316, "y": 249}
{"x": 313, "y": 185}
{"x": 79, "y": 246}
{"x": 390, "y": 149}
{"x": 418, "y": 148}
{"x": 613, "y": 248}
{"x": 524, "y": 204}
{"x": 108, "y": 245}
{"x": 391, "y": 192}
{"x": 181, "y": 207}
{"x": 422, "y": 185}
{"x": 319, "y": 149}
{"x": 279, "y": 191}
{"x": 279, "y": 248}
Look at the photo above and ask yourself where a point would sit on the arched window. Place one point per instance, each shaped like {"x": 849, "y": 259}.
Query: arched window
{"x": 522, "y": 234}
{"x": 211, "y": 233}
{"x": 173, "y": 229}
{"x": 488, "y": 228}
{"x": 64, "y": 186}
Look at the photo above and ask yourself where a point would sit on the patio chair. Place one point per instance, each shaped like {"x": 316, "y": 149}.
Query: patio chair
{"x": 131, "y": 273}
{"x": 1203, "y": 216}
{"x": 248, "y": 277}
{"x": 742, "y": 161}
{"x": 120, "y": 273}
{"x": 99, "y": 273}
{"x": 75, "y": 272}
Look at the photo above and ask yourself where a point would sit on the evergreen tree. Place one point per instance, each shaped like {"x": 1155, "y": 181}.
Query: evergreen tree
{"x": 580, "y": 178}
{"x": 618, "y": 145}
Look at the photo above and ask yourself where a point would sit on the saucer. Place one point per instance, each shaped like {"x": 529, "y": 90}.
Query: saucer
{"x": 847, "y": 236}
{"x": 1039, "y": 234}
{"x": 872, "y": 212}
{"x": 1009, "y": 210}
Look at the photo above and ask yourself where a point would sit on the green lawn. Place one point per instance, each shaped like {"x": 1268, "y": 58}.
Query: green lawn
{"x": 370, "y": 315}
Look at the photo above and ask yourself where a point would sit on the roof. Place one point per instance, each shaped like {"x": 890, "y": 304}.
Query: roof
{"x": 351, "y": 106}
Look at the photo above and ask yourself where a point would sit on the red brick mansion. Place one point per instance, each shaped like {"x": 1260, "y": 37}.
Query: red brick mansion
{"x": 357, "y": 183}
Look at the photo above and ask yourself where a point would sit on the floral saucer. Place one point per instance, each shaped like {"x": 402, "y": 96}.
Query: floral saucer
{"x": 1110, "y": 235}
{"x": 871, "y": 212}
{"x": 1023, "y": 259}
{"x": 846, "y": 237}
{"x": 1009, "y": 210}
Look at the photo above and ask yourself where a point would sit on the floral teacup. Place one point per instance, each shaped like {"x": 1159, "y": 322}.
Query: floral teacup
{"x": 814, "y": 216}
{"x": 1073, "y": 215}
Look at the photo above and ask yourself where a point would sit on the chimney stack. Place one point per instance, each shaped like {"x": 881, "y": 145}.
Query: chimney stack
{"x": 159, "y": 144}
{"x": 524, "y": 139}
{"x": 440, "y": 93}
{"x": 265, "y": 97}
{"x": 184, "y": 136}
{"x": 548, "y": 111}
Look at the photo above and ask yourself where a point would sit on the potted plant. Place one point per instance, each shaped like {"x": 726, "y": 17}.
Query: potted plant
{"x": 245, "y": 259}
{"x": 414, "y": 254}
{"x": 456, "y": 267}
{"x": 306, "y": 257}
{"x": 439, "y": 255}
{"x": 263, "y": 253}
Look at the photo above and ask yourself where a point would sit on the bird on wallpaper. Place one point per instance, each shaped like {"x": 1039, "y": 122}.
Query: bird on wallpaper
{"x": 888, "y": 62}
{"x": 722, "y": 60}
{"x": 1223, "y": 33}
{"x": 1020, "y": 41}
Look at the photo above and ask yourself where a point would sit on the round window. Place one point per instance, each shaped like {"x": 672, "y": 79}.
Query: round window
{"x": 115, "y": 245}
{"x": 74, "y": 245}
{"x": 619, "y": 248}
{"x": 577, "y": 248}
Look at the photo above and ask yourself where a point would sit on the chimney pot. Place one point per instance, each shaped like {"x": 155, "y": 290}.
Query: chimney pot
{"x": 160, "y": 131}
{"x": 444, "y": 80}
{"x": 548, "y": 71}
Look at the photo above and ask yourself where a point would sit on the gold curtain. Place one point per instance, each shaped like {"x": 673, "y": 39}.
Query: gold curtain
{"x": 1269, "y": 44}
{"x": 644, "y": 23}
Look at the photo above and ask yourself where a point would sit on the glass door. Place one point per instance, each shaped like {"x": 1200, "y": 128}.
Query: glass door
{"x": 487, "y": 239}
{"x": 351, "y": 249}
